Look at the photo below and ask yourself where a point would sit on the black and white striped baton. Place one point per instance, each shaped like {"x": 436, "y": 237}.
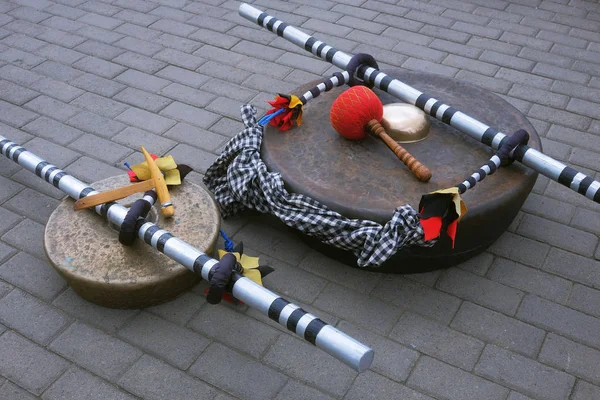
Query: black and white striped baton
{"x": 532, "y": 158}
{"x": 312, "y": 329}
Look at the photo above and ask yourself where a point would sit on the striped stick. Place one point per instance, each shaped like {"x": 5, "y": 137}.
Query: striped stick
{"x": 306, "y": 325}
{"x": 532, "y": 158}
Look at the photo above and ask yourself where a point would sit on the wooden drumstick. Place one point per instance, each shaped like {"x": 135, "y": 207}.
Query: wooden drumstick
{"x": 160, "y": 185}
{"x": 112, "y": 195}
{"x": 421, "y": 172}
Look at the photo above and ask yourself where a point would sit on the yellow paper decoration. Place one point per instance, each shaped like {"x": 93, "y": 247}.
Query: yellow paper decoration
{"x": 166, "y": 164}
{"x": 250, "y": 265}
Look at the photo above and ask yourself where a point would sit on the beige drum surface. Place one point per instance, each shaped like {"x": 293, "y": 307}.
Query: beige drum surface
{"x": 84, "y": 248}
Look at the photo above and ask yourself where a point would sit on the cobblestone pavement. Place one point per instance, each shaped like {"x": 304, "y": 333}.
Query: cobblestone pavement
{"x": 84, "y": 83}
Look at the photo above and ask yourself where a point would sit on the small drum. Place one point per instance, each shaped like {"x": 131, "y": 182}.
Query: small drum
{"x": 84, "y": 248}
{"x": 363, "y": 179}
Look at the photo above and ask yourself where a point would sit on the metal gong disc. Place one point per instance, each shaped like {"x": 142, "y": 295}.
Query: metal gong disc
{"x": 363, "y": 179}
{"x": 85, "y": 250}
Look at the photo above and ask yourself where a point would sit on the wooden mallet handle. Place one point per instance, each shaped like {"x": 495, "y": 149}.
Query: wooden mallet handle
{"x": 421, "y": 172}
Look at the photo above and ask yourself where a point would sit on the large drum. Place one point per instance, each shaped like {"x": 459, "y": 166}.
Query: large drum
{"x": 85, "y": 250}
{"x": 363, "y": 179}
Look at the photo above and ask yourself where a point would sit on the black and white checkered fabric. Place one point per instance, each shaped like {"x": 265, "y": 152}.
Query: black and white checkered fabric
{"x": 239, "y": 180}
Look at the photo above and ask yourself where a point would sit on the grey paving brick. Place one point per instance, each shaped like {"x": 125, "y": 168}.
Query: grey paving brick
{"x": 96, "y": 124}
{"x": 65, "y": 11}
{"x": 522, "y": 374}
{"x": 573, "y": 358}
{"x": 187, "y": 95}
{"x": 150, "y": 378}
{"x": 141, "y": 99}
{"x": 587, "y": 67}
{"x": 31, "y": 317}
{"x": 174, "y": 344}
{"x": 215, "y": 24}
{"x": 48, "y": 106}
{"x": 183, "y": 76}
{"x": 576, "y": 138}
{"x": 137, "y": 5}
{"x": 99, "y": 7}
{"x": 38, "y": 278}
{"x": 481, "y": 291}
{"x": 62, "y": 24}
{"x": 227, "y": 127}
{"x": 469, "y": 27}
{"x": 493, "y": 84}
{"x": 582, "y": 23}
{"x": 493, "y": 327}
{"x": 274, "y": 242}
{"x": 225, "y": 72}
{"x": 100, "y": 148}
{"x": 358, "y": 308}
{"x": 142, "y": 81}
{"x": 10, "y": 391}
{"x": 333, "y": 270}
{"x": 471, "y": 65}
{"x": 174, "y": 13}
{"x": 135, "y": 17}
{"x": 296, "y": 391}
{"x": 586, "y": 220}
{"x": 8, "y": 219}
{"x": 560, "y": 117}
{"x": 133, "y": 137}
{"x": 407, "y": 36}
{"x": 145, "y": 120}
{"x": 58, "y": 71}
{"x": 180, "y": 59}
{"x": 177, "y": 43}
{"x": 107, "y": 319}
{"x": 183, "y": 112}
{"x": 538, "y": 96}
{"x": 572, "y": 266}
{"x": 258, "y": 381}
{"x": 220, "y": 55}
{"x": 100, "y": 21}
{"x": 173, "y": 27}
{"x": 212, "y": 38}
{"x": 489, "y": 44}
{"x": 291, "y": 281}
{"x": 23, "y": 42}
{"x": 19, "y": 75}
{"x": 231, "y": 108}
{"x": 9, "y": 189}
{"x": 32, "y": 204}
{"x": 264, "y": 83}
{"x": 29, "y": 14}
{"x": 437, "y": 340}
{"x": 393, "y": 360}
{"x": 228, "y": 326}
{"x": 198, "y": 159}
{"x": 584, "y": 34}
{"x": 27, "y": 364}
{"x": 5, "y": 288}
{"x": 60, "y": 54}
{"x": 99, "y": 34}
{"x": 185, "y": 133}
{"x": 530, "y": 280}
{"x": 372, "y": 386}
{"x": 99, "y": 105}
{"x": 138, "y": 46}
{"x": 553, "y": 233}
{"x": 179, "y": 310}
{"x": 59, "y": 90}
{"x": 139, "y": 62}
{"x": 102, "y": 354}
{"x": 25, "y": 27}
{"x": 479, "y": 264}
{"x": 418, "y": 298}
{"x": 584, "y": 390}
{"x": 15, "y": 116}
{"x": 442, "y": 380}
{"x": 585, "y": 158}
{"x": 137, "y": 32}
{"x": 20, "y": 58}
{"x": 565, "y": 321}
{"x": 585, "y": 299}
{"x": 426, "y": 66}
{"x": 90, "y": 170}
{"x": 77, "y": 383}
{"x": 99, "y": 66}
{"x": 98, "y": 85}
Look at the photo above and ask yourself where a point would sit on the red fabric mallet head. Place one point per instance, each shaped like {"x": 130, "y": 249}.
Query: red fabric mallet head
{"x": 356, "y": 112}
{"x": 352, "y": 111}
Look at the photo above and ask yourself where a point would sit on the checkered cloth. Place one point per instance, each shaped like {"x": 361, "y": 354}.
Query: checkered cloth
{"x": 239, "y": 180}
